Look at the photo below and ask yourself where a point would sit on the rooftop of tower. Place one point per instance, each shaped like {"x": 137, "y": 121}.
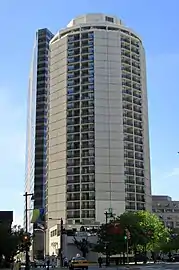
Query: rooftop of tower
{"x": 94, "y": 18}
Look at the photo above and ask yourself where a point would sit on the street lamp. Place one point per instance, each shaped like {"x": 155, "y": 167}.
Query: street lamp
{"x": 26, "y": 195}
{"x": 61, "y": 239}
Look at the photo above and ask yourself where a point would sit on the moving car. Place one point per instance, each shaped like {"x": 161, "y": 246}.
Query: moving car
{"x": 78, "y": 262}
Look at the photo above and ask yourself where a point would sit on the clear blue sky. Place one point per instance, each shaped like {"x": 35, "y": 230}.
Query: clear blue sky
{"x": 157, "y": 23}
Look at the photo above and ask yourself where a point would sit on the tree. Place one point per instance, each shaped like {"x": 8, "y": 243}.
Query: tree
{"x": 12, "y": 241}
{"x": 146, "y": 231}
{"x": 153, "y": 230}
{"x": 110, "y": 239}
{"x": 83, "y": 245}
{"x": 172, "y": 244}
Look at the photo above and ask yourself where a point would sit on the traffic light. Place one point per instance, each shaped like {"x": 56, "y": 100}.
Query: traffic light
{"x": 26, "y": 239}
{"x": 127, "y": 234}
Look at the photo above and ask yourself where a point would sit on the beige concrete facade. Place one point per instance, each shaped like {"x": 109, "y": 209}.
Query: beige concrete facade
{"x": 167, "y": 210}
{"x": 115, "y": 171}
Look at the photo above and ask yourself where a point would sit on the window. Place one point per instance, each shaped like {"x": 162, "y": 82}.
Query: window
{"x": 109, "y": 19}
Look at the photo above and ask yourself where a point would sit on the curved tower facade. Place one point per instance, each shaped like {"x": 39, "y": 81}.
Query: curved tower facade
{"x": 98, "y": 138}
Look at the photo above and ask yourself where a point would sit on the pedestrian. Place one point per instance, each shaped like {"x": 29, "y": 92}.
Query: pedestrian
{"x": 48, "y": 264}
{"x": 12, "y": 264}
{"x": 65, "y": 262}
{"x": 100, "y": 262}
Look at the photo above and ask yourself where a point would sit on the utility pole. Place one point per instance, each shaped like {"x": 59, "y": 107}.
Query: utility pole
{"x": 127, "y": 237}
{"x": 61, "y": 242}
{"x": 27, "y": 266}
{"x": 26, "y": 230}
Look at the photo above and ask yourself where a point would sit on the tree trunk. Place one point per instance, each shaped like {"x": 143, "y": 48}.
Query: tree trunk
{"x": 123, "y": 257}
{"x": 135, "y": 255}
{"x": 145, "y": 255}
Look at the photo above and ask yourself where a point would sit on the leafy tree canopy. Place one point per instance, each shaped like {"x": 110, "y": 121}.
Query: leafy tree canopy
{"x": 146, "y": 233}
{"x": 13, "y": 240}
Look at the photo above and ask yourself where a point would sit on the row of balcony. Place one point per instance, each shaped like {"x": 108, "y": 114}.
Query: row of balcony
{"x": 130, "y": 62}
{"x": 133, "y": 130}
{"x": 133, "y": 115}
{"x": 80, "y": 128}
{"x": 77, "y": 179}
{"x": 77, "y": 52}
{"x": 82, "y": 205}
{"x": 83, "y": 170}
{"x": 126, "y": 84}
{"x": 131, "y": 71}
{"x": 135, "y": 197}
{"x": 90, "y": 178}
{"x": 132, "y": 172}
{"x": 136, "y": 164}
{"x": 76, "y": 112}
{"x": 132, "y": 122}
{"x": 76, "y": 104}
{"x": 132, "y": 107}
{"x": 85, "y": 80}
{"x": 82, "y": 153}
{"x": 82, "y": 97}
{"x": 80, "y": 144}
{"x": 134, "y": 180}
{"x": 75, "y": 37}
{"x": 130, "y": 41}
{"x": 79, "y": 188}
{"x": 133, "y": 100}
{"x": 130, "y": 55}
{"x": 78, "y": 73}
{"x": 131, "y": 92}
{"x": 83, "y": 58}
{"x": 135, "y": 206}
{"x": 131, "y": 189}
{"x": 80, "y": 121}
{"x": 130, "y": 154}
{"x": 85, "y": 196}
{"x": 130, "y": 77}
{"x": 80, "y": 137}
{"x": 80, "y": 44}
{"x": 83, "y": 66}
{"x": 76, "y": 89}
{"x": 76, "y": 214}
{"x": 135, "y": 139}
{"x": 77, "y": 162}
{"x": 130, "y": 48}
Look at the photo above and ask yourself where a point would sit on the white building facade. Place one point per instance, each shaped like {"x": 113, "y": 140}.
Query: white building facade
{"x": 98, "y": 140}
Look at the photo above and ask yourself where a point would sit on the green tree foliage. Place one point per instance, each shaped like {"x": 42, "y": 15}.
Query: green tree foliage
{"x": 109, "y": 242}
{"x": 146, "y": 233}
{"x": 172, "y": 244}
{"x": 153, "y": 230}
{"x": 12, "y": 241}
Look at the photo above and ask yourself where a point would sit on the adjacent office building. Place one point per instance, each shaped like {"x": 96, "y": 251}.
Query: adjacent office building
{"x": 6, "y": 218}
{"x": 35, "y": 178}
{"x": 98, "y": 154}
{"x": 166, "y": 209}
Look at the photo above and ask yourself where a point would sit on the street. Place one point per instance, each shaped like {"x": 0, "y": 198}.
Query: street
{"x": 164, "y": 266}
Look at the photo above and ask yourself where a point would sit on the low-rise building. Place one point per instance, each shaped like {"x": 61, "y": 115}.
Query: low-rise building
{"x": 6, "y": 218}
{"x": 166, "y": 209}
{"x": 69, "y": 248}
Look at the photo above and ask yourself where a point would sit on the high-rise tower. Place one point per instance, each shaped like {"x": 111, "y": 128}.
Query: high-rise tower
{"x": 36, "y": 132}
{"x": 98, "y": 138}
